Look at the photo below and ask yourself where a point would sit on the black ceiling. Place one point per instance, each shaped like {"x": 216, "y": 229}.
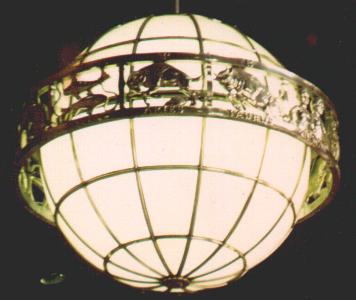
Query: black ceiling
{"x": 316, "y": 41}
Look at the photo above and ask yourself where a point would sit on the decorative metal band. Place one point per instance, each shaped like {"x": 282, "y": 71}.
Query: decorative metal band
{"x": 295, "y": 106}
{"x": 229, "y": 88}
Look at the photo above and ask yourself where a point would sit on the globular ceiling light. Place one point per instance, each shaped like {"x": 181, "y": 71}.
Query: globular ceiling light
{"x": 176, "y": 153}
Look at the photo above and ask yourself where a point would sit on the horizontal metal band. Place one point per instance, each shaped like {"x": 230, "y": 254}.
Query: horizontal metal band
{"x": 313, "y": 119}
{"x": 169, "y": 167}
{"x": 157, "y": 111}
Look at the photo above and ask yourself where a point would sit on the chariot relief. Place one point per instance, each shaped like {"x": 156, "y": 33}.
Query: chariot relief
{"x": 244, "y": 88}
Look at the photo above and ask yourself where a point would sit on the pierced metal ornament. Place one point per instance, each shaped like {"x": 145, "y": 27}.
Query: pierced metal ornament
{"x": 240, "y": 91}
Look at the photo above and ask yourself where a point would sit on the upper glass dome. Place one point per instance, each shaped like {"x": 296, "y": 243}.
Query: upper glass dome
{"x": 192, "y": 34}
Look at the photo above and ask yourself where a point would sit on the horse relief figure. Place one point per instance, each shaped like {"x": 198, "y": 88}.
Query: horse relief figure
{"x": 244, "y": 88}
{"x": 149, "y": 79}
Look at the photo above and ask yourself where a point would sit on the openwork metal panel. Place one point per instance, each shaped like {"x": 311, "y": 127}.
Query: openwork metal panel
{"x": 171, "y": 157}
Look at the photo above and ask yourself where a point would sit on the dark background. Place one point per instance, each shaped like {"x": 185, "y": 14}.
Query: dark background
{"x": 313, "y": 39}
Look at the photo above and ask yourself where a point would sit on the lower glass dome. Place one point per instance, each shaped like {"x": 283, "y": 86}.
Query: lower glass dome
{"x": 179, "y": 203}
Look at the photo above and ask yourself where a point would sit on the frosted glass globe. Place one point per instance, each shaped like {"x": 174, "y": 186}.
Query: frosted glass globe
{"x": 176, "y": 203}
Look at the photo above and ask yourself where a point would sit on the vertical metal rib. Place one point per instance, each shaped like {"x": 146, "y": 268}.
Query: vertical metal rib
{"x": 96, "y": 210}
{"x": 247, "y": 202}
{"x": 139, "y": 33}
{"x": 201, "y": 49}
{"x": 134, "y": 51}
{"x": 177, "y": 6}
{"x": 142, "y": 198}
{"x": 201, "y": 155}
{"x": 196, "y": 198}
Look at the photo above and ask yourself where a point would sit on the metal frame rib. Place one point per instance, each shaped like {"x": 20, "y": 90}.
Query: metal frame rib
{"x": 142, "y": 198}
{"x": 134, "y": 158}
{"x": 196, "y": 199}
{"x": 166, "y": 167}
{"x": 201, "y": 157}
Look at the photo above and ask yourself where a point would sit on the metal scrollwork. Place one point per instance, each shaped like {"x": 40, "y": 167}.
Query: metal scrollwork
{"x": 217, "y": 87}
{"x": 281, "y": 103}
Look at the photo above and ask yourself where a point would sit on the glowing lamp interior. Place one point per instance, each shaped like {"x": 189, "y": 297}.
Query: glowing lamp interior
{"x": 201, "y": 198}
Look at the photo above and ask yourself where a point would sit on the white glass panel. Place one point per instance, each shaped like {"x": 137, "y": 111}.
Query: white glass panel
{"x": 169, "y": 196}
{"x": 198, "y": 251}
{"x": 283, "y": 161}
{"x": 226, "y": 50}
{"x": 233, "y": 269}
{"x": 118, "y": 201}
{"x": 172, "y": 250}
{"x": 193, "y": 70}
{"x": 77, "y": 210}
{"x": 234, "y": 145}
{"x": 167, "y": 140}
{"x": 118, "y": 272}
{"x": 124, "y": 259}
{"x": 103, "y": 148}
{"x": 146, "y": 252}
{"x": 299, "y": 195}
{"x": 221, "y": 200}
{"x": 110, "y": 52}
{"x": 82, "y": 249}
{"x": 59, "y": 166}
{"x": 222, "y": 257}
{"x": 169, "y": 45}
{"x": 272, "y": 241}
{"x": 263, "y": 211}
{"x": 89, "y": 75}
{"x": 119, "y": 34}
{"x": 169, "y": 25}
{"x": 216, "y": 30}
{"x": 135, "y": 66}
